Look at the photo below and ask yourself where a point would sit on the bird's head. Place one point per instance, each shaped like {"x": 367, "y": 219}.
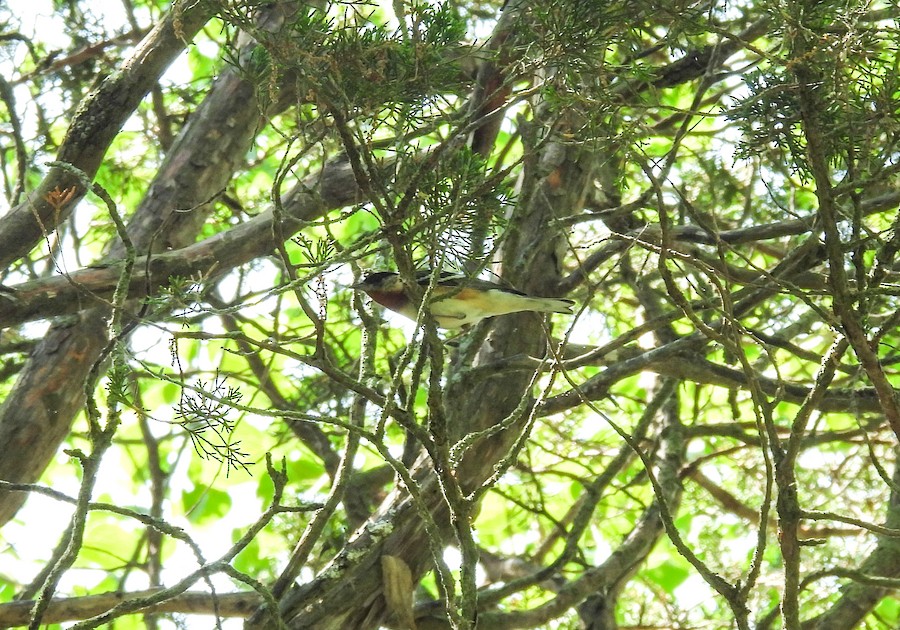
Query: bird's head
{"x": 379, "y": 281}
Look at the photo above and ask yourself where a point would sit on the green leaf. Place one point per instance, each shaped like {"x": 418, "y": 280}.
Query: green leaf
{"x": 203, "y": 504}
{"x": 305, "y": 468}
{"x": 888, "y": 613}
{"x": 669, "y": 575}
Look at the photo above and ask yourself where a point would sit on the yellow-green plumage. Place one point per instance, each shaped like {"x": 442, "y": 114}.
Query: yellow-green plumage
{"x": 457, "y": 301}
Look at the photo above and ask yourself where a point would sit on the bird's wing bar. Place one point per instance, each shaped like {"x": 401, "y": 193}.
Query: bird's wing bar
{"x": 446, "y": 278}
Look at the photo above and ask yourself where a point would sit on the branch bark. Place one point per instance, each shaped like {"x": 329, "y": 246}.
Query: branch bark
{"x": 98, "y": 120}
{"x": 75, "y": 608}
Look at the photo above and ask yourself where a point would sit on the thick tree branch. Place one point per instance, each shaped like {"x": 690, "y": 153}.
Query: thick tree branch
{"x": 97, "y": 121}
{"x": 76, "y": 608}
{"x": 93, "y": 286}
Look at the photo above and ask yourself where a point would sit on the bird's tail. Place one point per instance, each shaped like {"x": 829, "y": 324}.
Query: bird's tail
{"x": 551, "y": 305}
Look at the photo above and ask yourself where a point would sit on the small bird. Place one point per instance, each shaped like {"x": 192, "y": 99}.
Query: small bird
{"x": 456, "y": 301}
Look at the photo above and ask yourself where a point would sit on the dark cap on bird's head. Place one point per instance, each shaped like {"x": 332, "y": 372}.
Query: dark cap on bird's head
{"x": 378, "y": 281}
